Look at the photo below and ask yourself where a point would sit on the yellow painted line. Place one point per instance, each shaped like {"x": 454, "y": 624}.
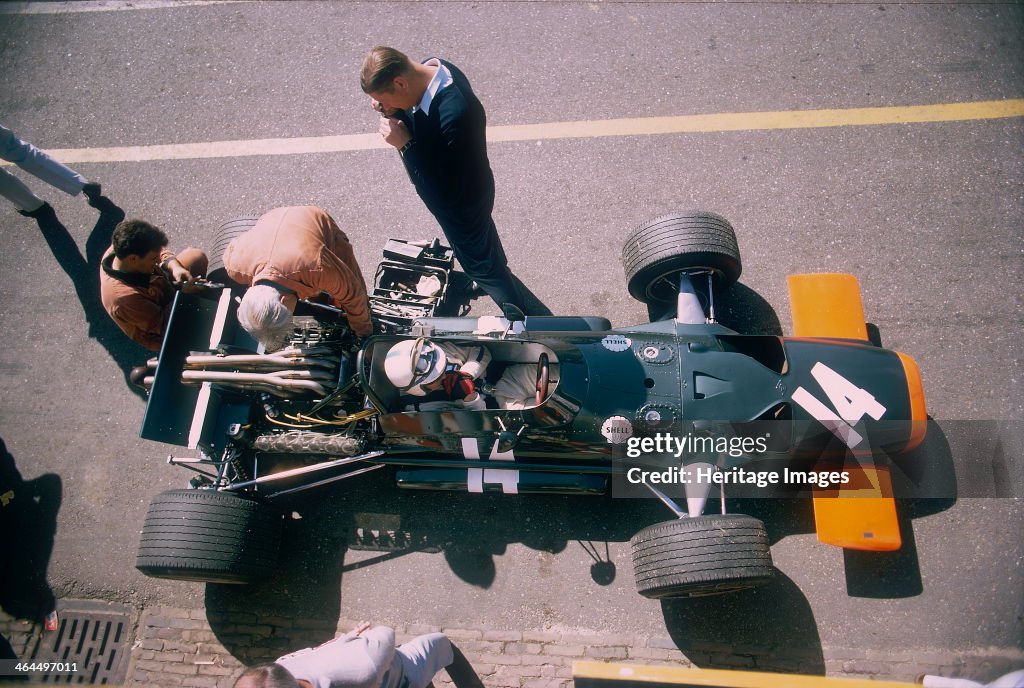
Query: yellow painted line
{"x": 755, "y": 121}
{"x": 637, "y": 126}
{"x": 608, "y": 674}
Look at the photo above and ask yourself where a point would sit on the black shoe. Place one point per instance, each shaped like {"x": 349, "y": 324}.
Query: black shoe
{"x": 108, "y": 208}
{"x": 43, "y": 212}
{"x": 93, "y": 191}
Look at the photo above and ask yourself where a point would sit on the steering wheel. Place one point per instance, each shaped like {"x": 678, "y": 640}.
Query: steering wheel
{"x": 543, "y": 376}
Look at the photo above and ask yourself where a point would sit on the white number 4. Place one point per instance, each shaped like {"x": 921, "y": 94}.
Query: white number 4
{"x": 850, "y": 401}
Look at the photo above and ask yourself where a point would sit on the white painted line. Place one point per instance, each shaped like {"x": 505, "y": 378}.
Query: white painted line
{"x": 103, "y": 5}
{"x": 222, "y": 149}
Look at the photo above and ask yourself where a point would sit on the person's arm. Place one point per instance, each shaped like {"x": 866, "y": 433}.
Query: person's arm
{"x": 173, "y": 267}
{"x": 477, "y": 360}
{"x": 340, "y": 276}
{"x": 517, "y": 387}
{"x": 378, "y": 643}
{"x": 347, "y": 292}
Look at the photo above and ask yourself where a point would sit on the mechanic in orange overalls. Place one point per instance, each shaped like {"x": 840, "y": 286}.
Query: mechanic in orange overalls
{"x": 295, "y": 253}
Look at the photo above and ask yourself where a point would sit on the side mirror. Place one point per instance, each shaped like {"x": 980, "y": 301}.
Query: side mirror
{"x": 512, "y": 313}
{"x": 506, "y": 441}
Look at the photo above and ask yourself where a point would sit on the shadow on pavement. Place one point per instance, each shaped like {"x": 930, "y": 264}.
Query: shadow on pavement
{"x": 383, "y": 522}
{"x": 744, "y": 310}
{"x": 343, "y": 530}
{"x": 333, "y": 531}
{"x": 770, "y": 629}
{"x": 84, "y": 274}
{"x": 925, "y": 482}
{"x": 297, "y": 608}
{"x": 28, "y": 523}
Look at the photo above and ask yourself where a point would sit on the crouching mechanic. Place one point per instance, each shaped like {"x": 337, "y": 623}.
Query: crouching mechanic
{"x": 364, "y": 658}
{"x": 295, "y": 253}
{"x": 137, "y": 279}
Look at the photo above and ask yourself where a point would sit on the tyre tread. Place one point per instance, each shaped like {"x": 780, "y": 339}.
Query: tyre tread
{"x": 204, "y": 535}
{"x": 700, "y": 556}
{"x": 677, "y": 241}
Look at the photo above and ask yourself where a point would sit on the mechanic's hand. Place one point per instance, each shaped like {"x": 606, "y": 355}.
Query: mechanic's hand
{"x": 394, "y": 131}
{"x": 179, "y": 275}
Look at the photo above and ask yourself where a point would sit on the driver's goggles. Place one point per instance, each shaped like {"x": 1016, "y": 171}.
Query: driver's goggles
{"x": 423, "y": 360}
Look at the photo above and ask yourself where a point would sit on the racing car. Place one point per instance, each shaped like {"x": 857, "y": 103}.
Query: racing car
{"x": 603, "y": 403}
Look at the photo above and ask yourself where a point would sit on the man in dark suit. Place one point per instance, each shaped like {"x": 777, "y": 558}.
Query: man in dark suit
{"x": 429, "y": 113}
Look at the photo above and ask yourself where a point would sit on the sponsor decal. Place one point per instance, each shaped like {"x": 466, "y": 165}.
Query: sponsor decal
{"x": 617, "y": 429}
{"x": 616, "y": 342}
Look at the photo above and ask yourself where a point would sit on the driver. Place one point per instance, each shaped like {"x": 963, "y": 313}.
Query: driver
{"x": 449, "y": 376}
{"x": 442, "y": 374}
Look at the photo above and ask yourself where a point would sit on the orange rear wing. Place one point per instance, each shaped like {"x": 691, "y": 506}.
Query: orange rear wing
{"x": 827, "y": 305}
{"x": 862, "y": 513}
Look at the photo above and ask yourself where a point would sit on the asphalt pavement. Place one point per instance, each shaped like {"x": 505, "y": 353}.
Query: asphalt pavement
{"x": 929, "y": 216}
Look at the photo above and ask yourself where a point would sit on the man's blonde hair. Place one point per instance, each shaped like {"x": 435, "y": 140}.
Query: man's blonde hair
{"x": 380, "y": 68}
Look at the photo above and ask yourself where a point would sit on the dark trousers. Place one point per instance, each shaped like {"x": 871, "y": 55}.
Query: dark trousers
{"x": 473, "y": 237}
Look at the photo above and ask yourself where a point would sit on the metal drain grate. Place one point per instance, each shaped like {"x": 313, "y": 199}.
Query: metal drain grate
{"x": 94, "y": 638}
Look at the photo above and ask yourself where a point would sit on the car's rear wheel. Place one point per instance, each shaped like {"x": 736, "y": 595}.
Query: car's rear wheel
{"x": 209, "y": 536}
{"x": 705, "y": 555}
{"x": 221, "y": 238}
{"x": 657, "y": 251}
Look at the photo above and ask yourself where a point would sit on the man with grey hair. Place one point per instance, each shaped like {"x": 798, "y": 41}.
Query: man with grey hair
{"x": 365, "y": 658}
{"x": 294, "y": 253}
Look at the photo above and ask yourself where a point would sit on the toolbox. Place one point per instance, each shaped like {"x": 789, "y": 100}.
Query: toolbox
{"x": 411, "y": 280}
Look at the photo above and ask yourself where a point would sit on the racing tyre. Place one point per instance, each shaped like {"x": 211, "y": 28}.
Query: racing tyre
{"x": 706, "y": 555}
{"x": 208, "y": 536}
{"x": 657, "y": 251}
{"x": 221, "y": 238}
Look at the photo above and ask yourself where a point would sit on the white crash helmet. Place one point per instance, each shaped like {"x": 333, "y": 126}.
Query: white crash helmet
{"x": 413, "y": 363}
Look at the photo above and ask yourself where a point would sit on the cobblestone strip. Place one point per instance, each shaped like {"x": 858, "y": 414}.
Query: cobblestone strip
{"x": 180, "y": 648}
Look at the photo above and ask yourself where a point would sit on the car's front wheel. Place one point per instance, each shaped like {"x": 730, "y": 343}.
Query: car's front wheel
{"x": 704, "y": 555}
{"x": 209, "y": 536}
{"x": 696, "y": 242}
